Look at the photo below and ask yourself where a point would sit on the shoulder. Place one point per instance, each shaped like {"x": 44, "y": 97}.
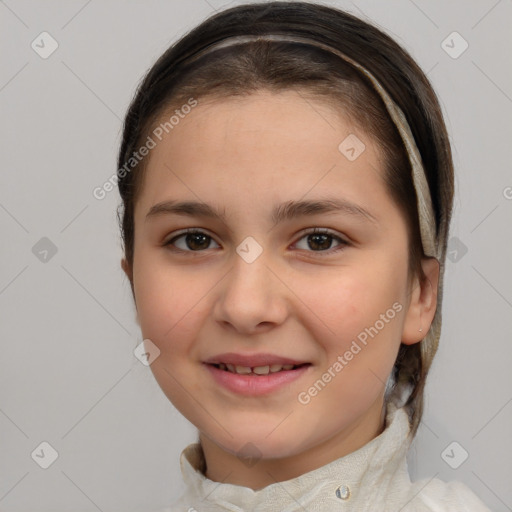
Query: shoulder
{"x": 434, "y": 495}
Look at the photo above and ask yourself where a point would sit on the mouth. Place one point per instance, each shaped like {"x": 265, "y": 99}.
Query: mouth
{"x": 256, "y": 375}
{"x": 258, "y": 370}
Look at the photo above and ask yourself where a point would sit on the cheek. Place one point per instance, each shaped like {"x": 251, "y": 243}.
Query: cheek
{"x": 361, "y": 322}
{"x": 166, "y": 301}
{"x": 359, "y": 348}
{"x": 169, "y": 306}
{"x": 347, "y": 301}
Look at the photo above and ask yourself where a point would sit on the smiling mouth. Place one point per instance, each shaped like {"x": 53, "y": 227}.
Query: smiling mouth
{"x": 258, "y": 370}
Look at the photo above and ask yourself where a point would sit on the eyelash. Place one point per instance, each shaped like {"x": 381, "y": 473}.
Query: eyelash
{"x": 315, "y": 231}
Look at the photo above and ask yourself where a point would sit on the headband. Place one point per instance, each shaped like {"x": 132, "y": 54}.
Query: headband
{"x": 425, "y": 208}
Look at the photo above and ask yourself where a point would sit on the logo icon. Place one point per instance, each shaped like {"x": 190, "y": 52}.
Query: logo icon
{"x": 249, "y": 250}
{"x": 454, "y": 45}
{"x": 456, "y": 249}
{"x": 351, "y": 147}
{"x": 44, "y": 250}
{"x": 44, "y": 45}
{"x": 44, "y": 455}
{"x": 454, "y": 455}
{"x": 146, "y": 352}
{"x": 249, "y": 454}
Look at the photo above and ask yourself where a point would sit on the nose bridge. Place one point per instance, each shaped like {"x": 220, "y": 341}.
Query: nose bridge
{"x": 251, "y": 295}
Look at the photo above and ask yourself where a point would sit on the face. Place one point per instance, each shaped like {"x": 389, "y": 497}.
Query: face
{"x": 255, "y": 287}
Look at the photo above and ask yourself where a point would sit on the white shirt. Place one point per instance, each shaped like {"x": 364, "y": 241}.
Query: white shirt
{"x": 373, "y": 478}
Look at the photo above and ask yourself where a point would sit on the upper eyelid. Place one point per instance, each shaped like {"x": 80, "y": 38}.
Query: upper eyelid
{"x": 326, "y": 231}
{"x": 188, "y": 231}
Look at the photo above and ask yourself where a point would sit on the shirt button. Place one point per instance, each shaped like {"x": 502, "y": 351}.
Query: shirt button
{"x": 343, "y": 492}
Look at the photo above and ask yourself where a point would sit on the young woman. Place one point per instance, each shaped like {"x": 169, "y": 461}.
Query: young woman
{"x": 287, "y": 190}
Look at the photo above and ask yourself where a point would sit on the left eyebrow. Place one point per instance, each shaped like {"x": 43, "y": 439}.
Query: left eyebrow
{"x": 280, "y": 213}
{"x": 292, "y": 209}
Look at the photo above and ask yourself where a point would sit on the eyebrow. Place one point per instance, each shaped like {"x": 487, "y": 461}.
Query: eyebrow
{"x": 283, "y": 212}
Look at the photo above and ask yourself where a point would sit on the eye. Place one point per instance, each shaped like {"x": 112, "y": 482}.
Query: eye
{"x": 320, "y": 240}
{"x": 193, "y": 240}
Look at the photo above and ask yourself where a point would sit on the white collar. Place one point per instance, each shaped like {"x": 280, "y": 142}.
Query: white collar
{"x": 380, "y": 461}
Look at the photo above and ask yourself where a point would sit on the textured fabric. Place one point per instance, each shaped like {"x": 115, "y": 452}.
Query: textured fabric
{"x": 375, "y": 478}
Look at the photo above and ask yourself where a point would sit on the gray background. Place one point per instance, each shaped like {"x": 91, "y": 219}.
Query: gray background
{"x": 68, "y": 375}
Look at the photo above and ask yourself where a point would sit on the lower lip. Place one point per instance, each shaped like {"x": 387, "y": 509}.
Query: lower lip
{"x": 255, "y": 385}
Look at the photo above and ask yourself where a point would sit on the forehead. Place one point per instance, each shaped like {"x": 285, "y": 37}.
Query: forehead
{"x": 263, "y": 145}
{"x": 289, "y": 114}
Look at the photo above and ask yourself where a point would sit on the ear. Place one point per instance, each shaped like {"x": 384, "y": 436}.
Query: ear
{"x": 423, "y": 303}
{"x": 127, "y": 269}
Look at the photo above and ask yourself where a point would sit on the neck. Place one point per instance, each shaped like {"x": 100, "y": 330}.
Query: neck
{"x": 222, "y": 466}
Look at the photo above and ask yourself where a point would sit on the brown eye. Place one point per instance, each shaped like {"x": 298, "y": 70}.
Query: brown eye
{"x": 191, "y": 241}
{"x": 320, "y": 240}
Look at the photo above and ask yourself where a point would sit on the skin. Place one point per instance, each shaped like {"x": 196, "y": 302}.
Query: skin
{"x": 309, "y": 302}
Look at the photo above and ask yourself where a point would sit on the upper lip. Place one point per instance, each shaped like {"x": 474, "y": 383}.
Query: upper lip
{"x": 252, "y": 360}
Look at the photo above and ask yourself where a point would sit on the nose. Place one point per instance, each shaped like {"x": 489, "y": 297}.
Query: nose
{"x": 252, "y": 298}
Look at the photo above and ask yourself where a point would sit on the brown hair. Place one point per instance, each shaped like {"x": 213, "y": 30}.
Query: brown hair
{"x": 278, "y": 66}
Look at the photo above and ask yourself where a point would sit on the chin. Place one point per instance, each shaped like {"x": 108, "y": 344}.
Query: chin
{"x": 256, "y": 443}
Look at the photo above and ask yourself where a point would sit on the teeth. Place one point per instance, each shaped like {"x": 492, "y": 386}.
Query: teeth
{"x": 258, "y": 370}
{"x": 261, "y": 370}
{"x": 242, "y": 369}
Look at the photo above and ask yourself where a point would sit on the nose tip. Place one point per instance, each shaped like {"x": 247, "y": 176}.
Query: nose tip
{"x": 251, "y": 298}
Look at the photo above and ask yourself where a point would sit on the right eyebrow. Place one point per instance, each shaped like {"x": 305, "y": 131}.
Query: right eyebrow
{"x": 188, "y": 208}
